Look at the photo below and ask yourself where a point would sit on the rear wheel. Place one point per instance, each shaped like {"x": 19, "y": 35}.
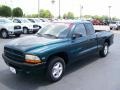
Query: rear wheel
{"x": 56, "y": 68}
{"x": 104, "y": 50}
{"x": 4, "y": 34}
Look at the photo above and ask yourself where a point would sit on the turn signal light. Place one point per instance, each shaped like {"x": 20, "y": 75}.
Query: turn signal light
{"x": 33, "y": 61}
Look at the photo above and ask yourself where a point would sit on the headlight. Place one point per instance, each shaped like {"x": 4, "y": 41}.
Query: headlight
{"x": 32, "y": 59}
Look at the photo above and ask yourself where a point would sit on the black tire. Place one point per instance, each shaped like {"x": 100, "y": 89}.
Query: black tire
{"x": 25, "y": 30}
{"x": 110, "y": 28}
{"x": 105, "y": 50}
{"x": 117, "y": 28}
{"x": 17, "y": 35}
{"x": 4, "y": 34}
{"x": 55, "y": 61}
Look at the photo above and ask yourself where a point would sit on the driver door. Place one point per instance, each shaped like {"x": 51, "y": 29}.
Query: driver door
{"x": 79, "y": 43}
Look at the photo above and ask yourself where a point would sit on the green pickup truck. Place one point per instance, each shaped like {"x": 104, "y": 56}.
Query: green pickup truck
{"x": 55, "y": 46}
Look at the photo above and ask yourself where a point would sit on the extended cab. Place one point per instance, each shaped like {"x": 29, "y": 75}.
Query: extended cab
{"x": 8, "y": 28}
{"x": 55, "y": 46}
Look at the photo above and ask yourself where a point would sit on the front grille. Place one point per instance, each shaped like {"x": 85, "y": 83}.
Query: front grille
{"x": 17, "y": 27}
{"x": 14, "y": 54}
{"x": 35, "y": 26}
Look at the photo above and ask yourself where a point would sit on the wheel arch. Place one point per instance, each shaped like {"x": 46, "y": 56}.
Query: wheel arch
{"x": 107, "y": 41}
{"x": 63, "y": 55}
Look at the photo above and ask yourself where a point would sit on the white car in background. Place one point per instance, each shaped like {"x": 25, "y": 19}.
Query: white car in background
{"x": 7, "y": 28}
{"x": 114, "y": 25}
{"x": 39, "y": 22}
{"x": 27, "y": 26}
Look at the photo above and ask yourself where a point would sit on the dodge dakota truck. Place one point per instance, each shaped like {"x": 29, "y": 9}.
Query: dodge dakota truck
{"x": 55, "y": 46}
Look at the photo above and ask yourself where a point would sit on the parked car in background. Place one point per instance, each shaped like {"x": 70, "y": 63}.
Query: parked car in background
{"x": 97, "y": 22}
{"x": 56, "y": 46}
{"x": 45, "y": 19}
{"x": 27, "y": 26}
{"x": 7, "y": 28}
{"x": 38, "y": 22}
{"x": 114, "y": 25}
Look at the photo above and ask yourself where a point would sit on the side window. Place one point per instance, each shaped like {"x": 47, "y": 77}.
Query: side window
{"x": 89, "y": 29}
{"x": 79, "y": 30}
{"x": 16, "y": 21}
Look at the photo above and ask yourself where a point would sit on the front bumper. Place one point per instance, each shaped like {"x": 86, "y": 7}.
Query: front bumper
{"x": 15, "y": 32}
{"x": 34, "y": 30}
{"x": 24, "y": 67}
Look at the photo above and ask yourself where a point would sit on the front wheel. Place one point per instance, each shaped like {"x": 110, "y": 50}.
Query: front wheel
{"x": 56, "y": 68}
{"x": 17, "y": 35}
{"x": 4, "y": 34}
{"x": 104, "y": 50}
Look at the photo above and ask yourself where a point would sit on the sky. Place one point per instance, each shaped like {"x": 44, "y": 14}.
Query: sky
{"x": 90, "y": 7}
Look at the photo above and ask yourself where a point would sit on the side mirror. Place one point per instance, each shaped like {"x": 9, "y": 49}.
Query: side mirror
{"x": 74, "y": 36}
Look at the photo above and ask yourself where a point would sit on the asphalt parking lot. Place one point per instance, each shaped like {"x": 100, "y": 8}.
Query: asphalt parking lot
{"x": 91, "y": 73}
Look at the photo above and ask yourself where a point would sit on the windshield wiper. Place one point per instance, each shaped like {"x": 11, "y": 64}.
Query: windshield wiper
{"x": 40, "y": 35}
{"x": 50, "y": 35}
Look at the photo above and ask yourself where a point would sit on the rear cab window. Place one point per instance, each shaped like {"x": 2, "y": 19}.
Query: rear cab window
{"x": 89, "y": 29}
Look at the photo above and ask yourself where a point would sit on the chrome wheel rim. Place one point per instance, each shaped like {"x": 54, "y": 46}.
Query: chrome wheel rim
{"x": 106, "y": 50}
{"x": 57, "y": 70}
{"x": 25, "y": 31}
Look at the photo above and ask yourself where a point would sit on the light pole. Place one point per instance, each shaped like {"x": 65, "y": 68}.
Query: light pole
{"x": 53, "y": 1}
{"x": 38, "y": 8}
{"x": 59, "y": 9}
{"x": 11, "y": 8}
{"x": 109, "y": 7}
{"x": 81, "y": 8}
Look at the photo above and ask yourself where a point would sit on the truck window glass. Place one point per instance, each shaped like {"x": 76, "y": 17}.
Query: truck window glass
{"x": 80, "y": 29}
{"x": 89, "y": 29}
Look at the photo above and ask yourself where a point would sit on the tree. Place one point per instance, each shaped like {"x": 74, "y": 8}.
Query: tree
{"x": 87, "y": 16}
{"x": 65, "y": 16}
{"x": 5, "y": 11}
{"x": 17, "y": 12}
{"x": 68, "y": 15}
{"x": 45, "y": 14}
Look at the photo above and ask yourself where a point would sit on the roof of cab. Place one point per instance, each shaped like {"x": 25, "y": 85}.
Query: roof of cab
{"x": 72, "y": 21}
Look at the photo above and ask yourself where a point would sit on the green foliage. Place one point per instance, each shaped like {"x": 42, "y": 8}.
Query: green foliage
{"x": 45, "y": 14}
{"x": 65, "y": 16}
{"x": 69, "y": 15}
{"x": 32, "y": 16}
{"x": 17, "y": 12}
{"x": 5, "y": 11}
{"x": 87, "y": 16}
{"x": 97, "y": 17}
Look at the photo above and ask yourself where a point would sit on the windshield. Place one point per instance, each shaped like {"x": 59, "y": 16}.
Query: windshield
{"x": 31, "y": 20}
{"x": 55, "y": 31}
{"x": 37, "y": 20}
{"x": 25, "y": 21}
{"x": 5, "y": 21}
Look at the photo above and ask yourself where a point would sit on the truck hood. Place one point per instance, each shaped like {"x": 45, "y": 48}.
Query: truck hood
{"x": 32, "y": 42}
{"x": 12, "y": 24}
